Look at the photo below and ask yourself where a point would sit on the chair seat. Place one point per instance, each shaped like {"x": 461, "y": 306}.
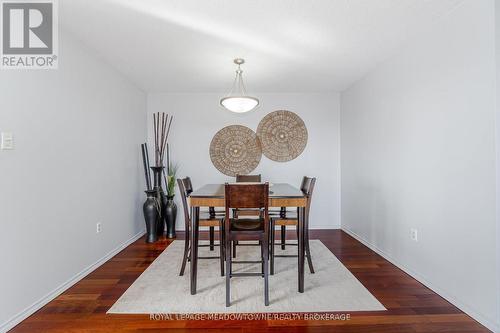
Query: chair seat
{"x": 247, "y": 224}
{"x": 292, "y": 220}
{"x": 246, "y": 212}
{"x": 207, "y": 221}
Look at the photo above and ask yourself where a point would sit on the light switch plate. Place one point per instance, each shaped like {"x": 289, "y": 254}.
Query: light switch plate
{"x": 414, "y": 234}
{"x": 7, "y": 141}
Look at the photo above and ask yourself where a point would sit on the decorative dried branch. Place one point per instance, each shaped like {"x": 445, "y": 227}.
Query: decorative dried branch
{"x": 161, "y": 130}
{"x": 145, "y": 161}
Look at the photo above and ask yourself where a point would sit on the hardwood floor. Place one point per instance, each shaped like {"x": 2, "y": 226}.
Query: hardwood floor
{"x": 411, "y": 306}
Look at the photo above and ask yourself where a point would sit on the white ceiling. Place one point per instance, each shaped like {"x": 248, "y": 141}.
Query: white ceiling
{"x": 289, "y": 45}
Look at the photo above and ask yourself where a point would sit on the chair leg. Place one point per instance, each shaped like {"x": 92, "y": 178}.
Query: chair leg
{"x": 308, "y": 252}
{"x": 228, "y": 272}
{"x": 186, "y": 254}
{"x": 234, "y": 248}
{"x": 272, "y": 234}
{"x": 283, "y": 236}
{"x": 221, "y": 249}
{"x": 261, "y": 256}
{"x": 230, "y": 262}
{"x": 223, "y": 240}
{"x": 266, "y": 273}
{"x": 212, "y": 237}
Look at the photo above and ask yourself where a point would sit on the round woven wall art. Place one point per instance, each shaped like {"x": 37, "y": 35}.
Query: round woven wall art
{"x": 283, "y": 135}
{"x": 235, "y": 150}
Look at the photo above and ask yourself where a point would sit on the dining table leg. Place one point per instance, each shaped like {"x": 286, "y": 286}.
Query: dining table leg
{"x": 300, "y": 241}
{"x": 195, "y": 218}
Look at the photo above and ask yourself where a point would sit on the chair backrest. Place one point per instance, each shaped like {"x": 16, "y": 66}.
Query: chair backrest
{"x": 307, "y": 187}
{"x": 246, "y": 195}
{"x": 304, "y": 184}
{"x": 188, "y": 185}
{"x": 185, "y": 187}
{"x": 243, "y": 195}
{"x": 248, "y": 178}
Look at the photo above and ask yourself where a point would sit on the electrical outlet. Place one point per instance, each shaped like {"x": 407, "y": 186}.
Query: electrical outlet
{"x": 7, "y": 141}
{"x": 98, "y": 228}
{"x": 414, "y": 235}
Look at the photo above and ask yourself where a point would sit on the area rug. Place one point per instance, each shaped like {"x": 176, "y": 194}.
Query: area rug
{"x": 160, "y": 289}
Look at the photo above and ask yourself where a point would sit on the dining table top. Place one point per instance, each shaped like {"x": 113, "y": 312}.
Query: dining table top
{"x": 276, "y": 190}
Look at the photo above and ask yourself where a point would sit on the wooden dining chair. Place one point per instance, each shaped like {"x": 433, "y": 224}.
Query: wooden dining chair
{"x": 247, "y": 179}
{"x": 247, "y": 196}
{"x": 256, "y": 179}
{"x": 206, "y": 220}
{"x": 236, "y": 212}
{"x": 307, "y": 187}
{"x": 245, "y": 212}
{"x": 213, "y": 213}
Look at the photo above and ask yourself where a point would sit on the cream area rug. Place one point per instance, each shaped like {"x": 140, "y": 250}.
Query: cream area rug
{"x": 160, "y": 289}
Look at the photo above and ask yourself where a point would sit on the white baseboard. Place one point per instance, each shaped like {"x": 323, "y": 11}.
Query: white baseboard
{"x": 10, "y": 323}
{"x": 324, "y": 227}
{"x": 495, "y": 327}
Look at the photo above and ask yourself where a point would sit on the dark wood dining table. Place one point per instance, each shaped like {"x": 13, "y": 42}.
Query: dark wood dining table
{"x": 212, "y": 195}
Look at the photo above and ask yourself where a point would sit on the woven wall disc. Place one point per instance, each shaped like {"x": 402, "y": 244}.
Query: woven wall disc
{"x": 235, "y": 150}
{"x": 283, "y": 135}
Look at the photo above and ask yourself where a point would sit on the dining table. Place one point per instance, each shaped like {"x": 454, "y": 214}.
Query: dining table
{"x": 280, "y": 195}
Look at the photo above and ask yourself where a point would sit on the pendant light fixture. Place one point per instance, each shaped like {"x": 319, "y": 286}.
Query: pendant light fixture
{"x": 237, "y": 99}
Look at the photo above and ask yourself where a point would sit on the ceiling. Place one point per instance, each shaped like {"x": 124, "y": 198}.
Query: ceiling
{"x": 289, "y": 45}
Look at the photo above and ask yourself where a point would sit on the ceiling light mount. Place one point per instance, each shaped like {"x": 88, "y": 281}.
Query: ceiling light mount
{"x": 237, "y": 100}
{"x": 239, "y": 61}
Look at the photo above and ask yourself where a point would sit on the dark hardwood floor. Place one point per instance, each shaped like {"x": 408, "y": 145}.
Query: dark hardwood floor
{"x": 411, "y": 306}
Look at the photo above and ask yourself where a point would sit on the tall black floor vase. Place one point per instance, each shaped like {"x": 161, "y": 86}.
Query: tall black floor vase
{"x": 170, "y": 217}
{"x": 162, "y": 198}
{"x": 151, "y": 216}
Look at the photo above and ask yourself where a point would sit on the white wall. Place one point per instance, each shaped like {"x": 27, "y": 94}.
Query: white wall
{"x": 418, "y": 151}
{"x": 197, "y": 117}
{"x": 76, "y": 161}
{"x": 497, "y": 58}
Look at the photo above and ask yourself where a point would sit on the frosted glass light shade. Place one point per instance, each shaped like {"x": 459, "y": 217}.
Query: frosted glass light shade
{"x": 239, "y": 104}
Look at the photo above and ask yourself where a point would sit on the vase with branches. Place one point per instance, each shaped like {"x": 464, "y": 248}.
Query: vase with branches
{"x": 161, "y": 129}
{"x": 171, "y": 207}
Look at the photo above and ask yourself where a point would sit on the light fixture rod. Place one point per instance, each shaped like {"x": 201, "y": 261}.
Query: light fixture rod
{"x": 238, "y": 87}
